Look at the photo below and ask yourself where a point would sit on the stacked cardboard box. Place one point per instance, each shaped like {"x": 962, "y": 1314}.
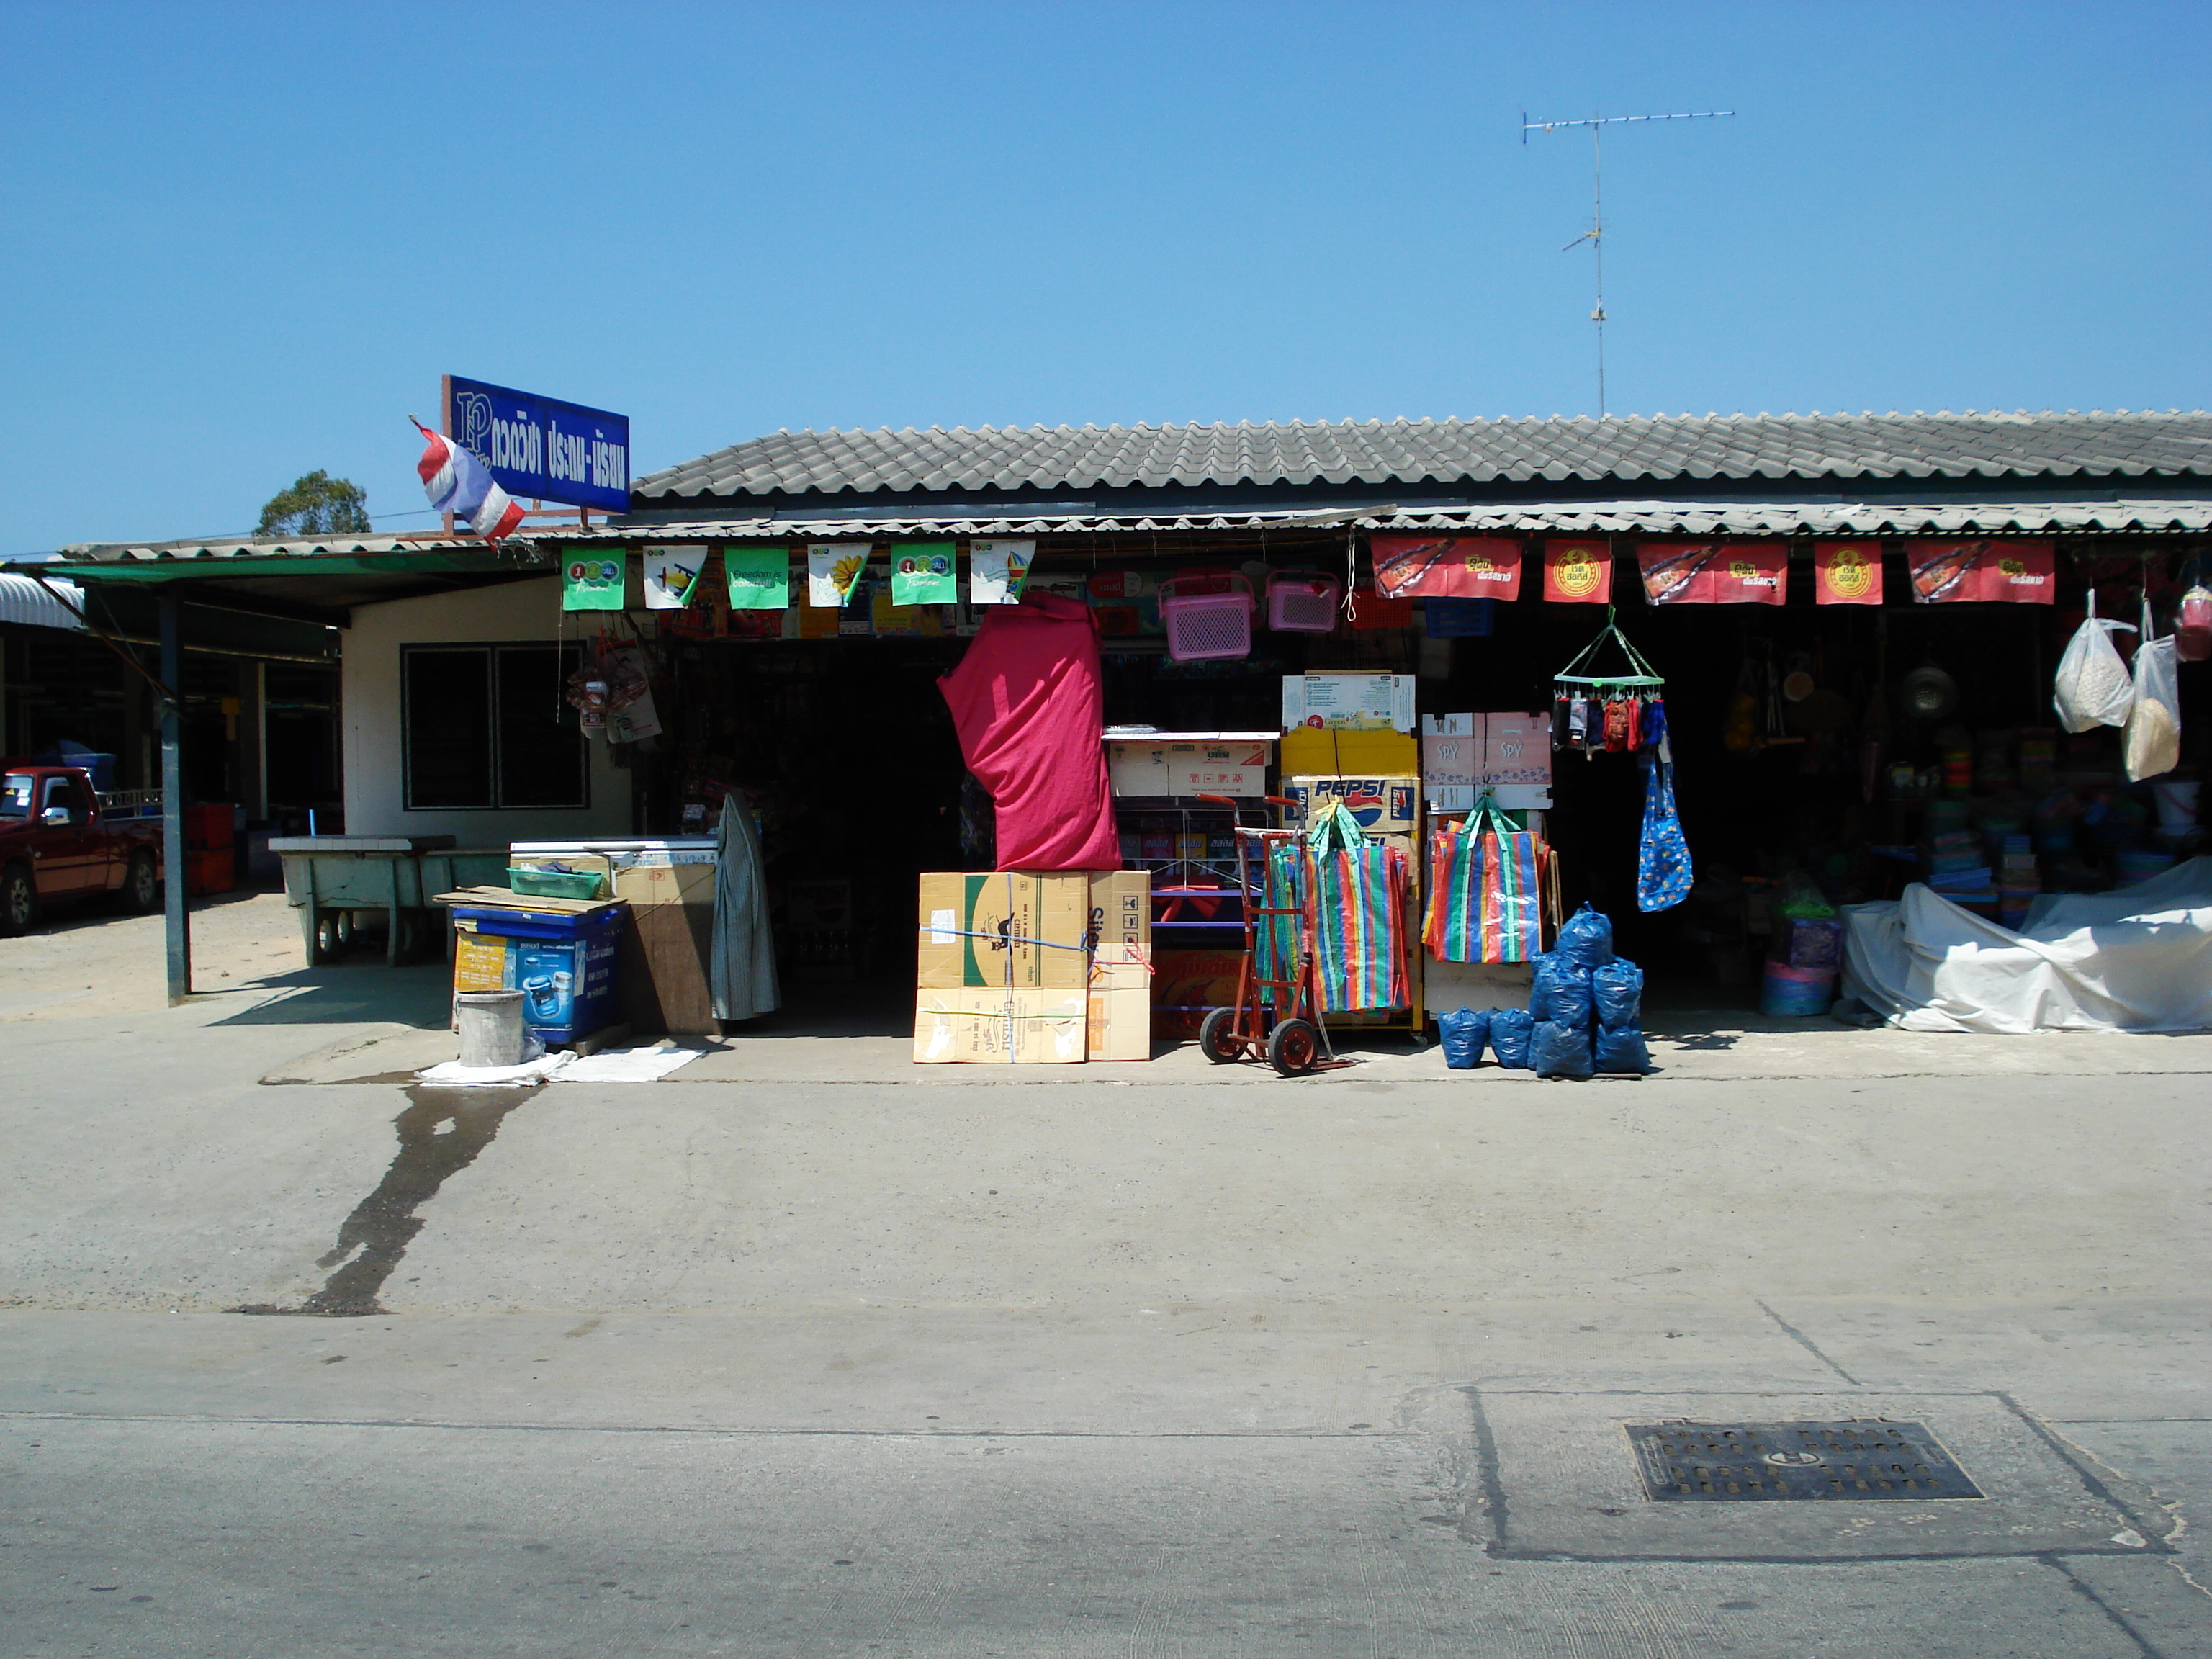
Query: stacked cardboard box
{"x": 1121, "y": 1004}
{"x": 1001, "y": 975}
{"x": 1035, "y": 969}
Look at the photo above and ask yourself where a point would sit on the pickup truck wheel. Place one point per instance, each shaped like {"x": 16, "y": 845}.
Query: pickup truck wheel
{"x": 19, "y": 901}
{"x": 142, "y": 889}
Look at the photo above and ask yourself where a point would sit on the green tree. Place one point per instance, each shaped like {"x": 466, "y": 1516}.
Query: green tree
{"x": 316, "y": 505}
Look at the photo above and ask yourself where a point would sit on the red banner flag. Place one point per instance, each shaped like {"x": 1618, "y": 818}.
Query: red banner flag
{"x": 2020, "y": 572}
{"x": 1715, "y": 573}
{"x": 1847, "y": 573}
{"x": 1578, "y": 573}
{"x": 1447, "y": 567}
{"x": 1957, "y": 573}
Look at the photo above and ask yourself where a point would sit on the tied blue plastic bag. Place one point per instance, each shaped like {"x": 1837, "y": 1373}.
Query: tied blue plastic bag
{"x": 1617, "y": 993}
{"x": 1557, "y": 1050}
{"x": 1464, "y": 1033}
{"x": 1587, "y": 938}
{"x": 1561, "y": 991}
{"x": 1620, "y": 1048}
{"x": 1510, "y": 1029}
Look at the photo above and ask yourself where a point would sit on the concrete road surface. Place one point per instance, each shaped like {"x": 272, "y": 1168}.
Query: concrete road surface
{"x": 758, "y": 1367}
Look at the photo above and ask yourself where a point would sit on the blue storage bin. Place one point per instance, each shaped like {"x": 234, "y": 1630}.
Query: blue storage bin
{"x": 564, "y": 965}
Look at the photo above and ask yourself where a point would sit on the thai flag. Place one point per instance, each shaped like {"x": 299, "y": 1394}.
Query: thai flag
{"x": 457, "y": 483}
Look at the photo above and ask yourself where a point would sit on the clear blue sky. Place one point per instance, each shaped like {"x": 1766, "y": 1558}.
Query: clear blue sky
{"x": 238, "y": 242}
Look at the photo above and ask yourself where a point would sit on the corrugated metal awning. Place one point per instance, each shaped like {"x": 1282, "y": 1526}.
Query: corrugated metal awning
{"x": 1567, "y": 518}
{"x": 26, "y": 600}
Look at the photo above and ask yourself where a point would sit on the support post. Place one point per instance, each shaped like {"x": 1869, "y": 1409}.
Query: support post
{"x": 174, "y": 864}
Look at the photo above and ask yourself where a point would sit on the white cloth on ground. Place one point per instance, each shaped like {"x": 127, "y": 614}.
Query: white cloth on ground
{"x": 628, "y": 1065}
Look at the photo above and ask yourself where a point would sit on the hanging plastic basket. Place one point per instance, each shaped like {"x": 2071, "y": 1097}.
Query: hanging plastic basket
{"x": 1208, "y": 615}
{"x": 1301, "y": 602}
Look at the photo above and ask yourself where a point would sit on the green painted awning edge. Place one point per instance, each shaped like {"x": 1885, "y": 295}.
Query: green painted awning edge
{"x": 208, "y": 568}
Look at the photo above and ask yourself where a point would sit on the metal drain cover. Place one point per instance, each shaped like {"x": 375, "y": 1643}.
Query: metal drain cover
{"x": 1754, "y": 1463}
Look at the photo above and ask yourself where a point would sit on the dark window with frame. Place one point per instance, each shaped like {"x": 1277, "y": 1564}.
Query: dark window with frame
{"x": 490, "y": 726}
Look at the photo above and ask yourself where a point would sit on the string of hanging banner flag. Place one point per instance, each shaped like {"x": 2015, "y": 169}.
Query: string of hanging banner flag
{"x": 1579, "y": 570}
{"x": 836, "y": 576}
{"x": 830, "y": 575}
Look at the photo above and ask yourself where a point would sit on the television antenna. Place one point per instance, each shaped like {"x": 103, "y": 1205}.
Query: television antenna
{"x": 1595, "y": 234}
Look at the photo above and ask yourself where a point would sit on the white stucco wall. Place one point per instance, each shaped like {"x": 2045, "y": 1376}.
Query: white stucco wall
{"x": 374, "y": 792}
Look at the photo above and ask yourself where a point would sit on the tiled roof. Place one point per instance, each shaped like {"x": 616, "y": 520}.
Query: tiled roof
{"x": 1615, "y": 518}
{"x": 1622, "y": 448}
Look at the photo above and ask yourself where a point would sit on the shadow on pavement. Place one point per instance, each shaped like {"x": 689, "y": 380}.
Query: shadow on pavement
{"x": 353, "y": 995}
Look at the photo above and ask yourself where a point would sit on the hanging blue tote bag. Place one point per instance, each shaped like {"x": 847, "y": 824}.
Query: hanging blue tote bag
{"x": 1663, "y": 857}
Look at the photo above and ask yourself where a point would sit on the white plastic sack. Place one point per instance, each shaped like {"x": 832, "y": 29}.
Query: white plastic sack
{"x": 2152, "y": 743}
{"x": 2092, "y": 687}
{"x": 2136, "y": 960}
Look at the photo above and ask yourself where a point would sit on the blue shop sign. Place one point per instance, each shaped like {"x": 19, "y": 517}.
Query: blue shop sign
{"x": 540, "y": 448}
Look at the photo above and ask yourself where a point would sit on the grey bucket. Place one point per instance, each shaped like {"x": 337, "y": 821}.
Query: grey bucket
{"x": 491, "y": 1027}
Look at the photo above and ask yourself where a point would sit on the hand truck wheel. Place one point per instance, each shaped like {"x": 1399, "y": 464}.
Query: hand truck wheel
{"x": 1216, "y": 1037}
{"x": 1294, "y": 1047}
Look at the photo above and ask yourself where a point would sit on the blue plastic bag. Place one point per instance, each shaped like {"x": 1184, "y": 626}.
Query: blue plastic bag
{"x": 1560, "y": 991}
{"x": 1509, "y": 1035}
{"x": 1464, "y": 1033}
{"x": 1663, "y": 857}
{"x": 1557, "y": 1050}
{"x": 1587, "y": 938}
{"x": 1620, "y": 1048}
{"x": 1617, "y": 993}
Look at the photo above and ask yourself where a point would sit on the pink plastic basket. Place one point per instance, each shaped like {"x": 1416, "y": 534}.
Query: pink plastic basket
{"x": 1208, "y": 615}
{"x": 1301, "y": 602}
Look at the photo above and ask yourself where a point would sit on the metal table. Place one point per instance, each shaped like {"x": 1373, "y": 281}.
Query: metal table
{"x": 329, "y": 878}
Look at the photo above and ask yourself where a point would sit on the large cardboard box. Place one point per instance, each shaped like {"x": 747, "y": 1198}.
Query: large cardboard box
{"x": 1153, "y": 766}
{"x": 1349, "y": 702}
{"x": 978, "y": 1026}
{"x": 1138, "y": 766}
{"x": 1387, "y": 805}
{"x": 1120, "y": 929}
{"x": 1121, "y": 1020}
{"x": 669, "y": 945}
{"x": 1311, "y": 752}
{"x": 1237, "y": 768}
{"x": 1003, "y": 930}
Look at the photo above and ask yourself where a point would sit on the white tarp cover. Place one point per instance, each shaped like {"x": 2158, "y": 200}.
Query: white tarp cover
{"x": 2138, "y": 960}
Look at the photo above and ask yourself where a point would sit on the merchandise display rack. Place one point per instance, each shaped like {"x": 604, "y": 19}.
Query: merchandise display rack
{"x": 1182, "y": 881}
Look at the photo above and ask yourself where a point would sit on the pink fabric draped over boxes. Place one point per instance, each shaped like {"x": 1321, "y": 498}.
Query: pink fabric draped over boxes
{"x": 1029, "y": 706}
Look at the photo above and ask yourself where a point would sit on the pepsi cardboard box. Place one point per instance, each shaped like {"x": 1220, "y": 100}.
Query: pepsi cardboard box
{"x": 1382, "y": 806}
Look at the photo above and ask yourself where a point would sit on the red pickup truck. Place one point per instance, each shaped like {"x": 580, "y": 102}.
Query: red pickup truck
{"x": 59, "y": 843}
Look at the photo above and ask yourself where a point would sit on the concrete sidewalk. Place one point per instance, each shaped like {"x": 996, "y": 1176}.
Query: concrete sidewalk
{"x": 1722, "y": 1046}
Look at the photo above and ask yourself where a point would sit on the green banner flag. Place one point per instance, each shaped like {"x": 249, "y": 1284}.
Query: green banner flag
{"x": 593, "y": 578}
{"x": 922, "y": 574}
{"x": 759, "y": 578}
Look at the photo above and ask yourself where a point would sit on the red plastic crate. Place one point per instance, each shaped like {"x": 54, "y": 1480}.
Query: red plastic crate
{"x": 212, "y": 871}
